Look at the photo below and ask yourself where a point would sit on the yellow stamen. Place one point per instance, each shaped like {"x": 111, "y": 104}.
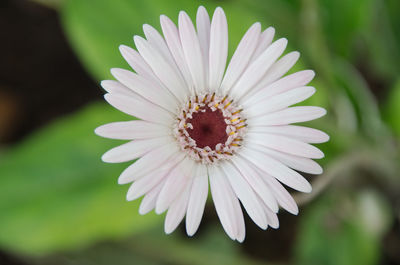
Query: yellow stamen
{"x": 229, "y": 103}
{"x": 236, "y": 112}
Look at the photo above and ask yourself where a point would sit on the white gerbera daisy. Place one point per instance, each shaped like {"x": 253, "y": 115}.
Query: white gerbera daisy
{"x": 203, "y": 123}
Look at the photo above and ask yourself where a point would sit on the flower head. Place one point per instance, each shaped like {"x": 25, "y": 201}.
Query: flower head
{"x": 204, "y": 124}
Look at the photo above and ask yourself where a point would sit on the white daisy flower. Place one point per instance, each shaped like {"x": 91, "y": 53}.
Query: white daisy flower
{"x": 202, "y": 123}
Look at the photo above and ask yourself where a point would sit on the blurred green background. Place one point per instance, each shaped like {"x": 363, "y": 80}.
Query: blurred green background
{"x": 59, "y": 204}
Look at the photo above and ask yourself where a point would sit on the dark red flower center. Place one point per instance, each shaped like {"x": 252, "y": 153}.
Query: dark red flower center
{"x": 209, "y": 128}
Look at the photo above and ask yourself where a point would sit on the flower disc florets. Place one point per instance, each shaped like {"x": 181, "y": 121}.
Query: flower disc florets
{"x": 209, "y": 128}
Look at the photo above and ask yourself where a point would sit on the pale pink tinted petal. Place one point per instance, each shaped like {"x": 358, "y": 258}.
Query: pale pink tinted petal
{"x": 167, "y": 73}
{"x": 245, "y": 194}
{"x": 149, "y": 200}
{"x": 296, "y": 162}
{"x": 218, "y": 49}
{"x": 287, "y": 116}
{"x": 277, "y": 70}
{"x": 284, "y": 144}
{"x": 177, "y": 210}
{"x": 272, "y": 218}
{"x": 241, "y": 57}
{"x": 192, "y": 51}
{"x": 203, "y": 31}
{"x": 146, "y": 183}
{"x": 241, "y": 229}
{"x": 276, "y": 169}
{"x": 155, "y": 39}
{"x": 129, "y": 130}
{"x": 132, "y": 150}
{"x": 173, "y": 40}
{"x": 198, "y": 198}
{"x": 149, "y": 162}
{"x": 281, "y": 194}
{"x": 256, "y": 182}
{"x": 115, "y": 87}
{"x": 264, "y": 42}
{"x": 279, "y": 101}
{"x": 175, "y": 184}
{"x": 305, "y": 134}
{"x": 146, "y": 89}
{"x": 142, "y": 109}
{"x": 256, "y": 70}
{"x": 286, "y": 83}
{"x": 137, "y": 63}
{"x": 224, "y": 200}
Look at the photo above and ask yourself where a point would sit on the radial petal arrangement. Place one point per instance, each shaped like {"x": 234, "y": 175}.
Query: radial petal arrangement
{"x": 205, "y": 123}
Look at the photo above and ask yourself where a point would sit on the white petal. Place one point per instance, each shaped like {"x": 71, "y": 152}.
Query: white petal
{"x": 203, "y": 26}
{"x": 167, "y": 73}
{"x": 272, "y": 218}
{"x": 296, "y": 162}
{"x": 157, "y": 41}
{"x": 137, "y": 63}
{"x": 279, "y": 101}
{"x": 145, "y": 184}
{"x": 149, "y": 200}
{"x": 277, "y": 70}
{"x": 264, "y": 42}
{"x": 142, "y": 109}
{"x": 241, "y": 229}
{"x": 173, "y": 40}
{"x": 177, "y": 210}
{"x": 256, "y": 70}
{"x": 286, "y": 83}
{"x": 146, "y": 89}
{"x": 281, "y": 194}
{"x": 192, "y": 51}
{"x": 289, "y": 115}
{"x": 305, "y": 134}
{"x": 218, "y": 49}
{"x": 175, "y": 184}
{"x": 276, "y": 169}
{"x": 115, "y": 87}
{"x": 132, "y": 150}
{"x": 284, "y": 144}
{"x": 198, "y": 198}
{"x": 241, "y": 57}
{"x": 245, "y": 194}
{"x": 224, "y": 200}
{"x": 150, "y": 162}
{"x": 129, "y": 130}
{"x": 256, "y": 182}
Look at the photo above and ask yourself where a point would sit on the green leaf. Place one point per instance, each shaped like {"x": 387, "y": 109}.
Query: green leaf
{"x": 55, "y": 193}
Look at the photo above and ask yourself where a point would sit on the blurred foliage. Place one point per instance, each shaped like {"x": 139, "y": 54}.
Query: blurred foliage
{"x": 56, "y": 194}
{"x": 392, "y": 108}
{"x": 336, "y": 231}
